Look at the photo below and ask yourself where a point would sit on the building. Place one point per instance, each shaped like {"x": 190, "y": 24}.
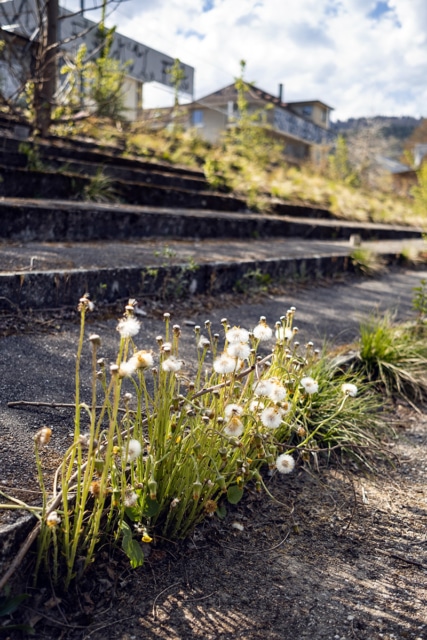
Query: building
{"x": 20, "y": 27}
{"x": 302, "y": 127}
{"x": 404, "y": 178}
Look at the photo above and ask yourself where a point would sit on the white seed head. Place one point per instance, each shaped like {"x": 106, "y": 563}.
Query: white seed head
{"x": 285, "y": 463}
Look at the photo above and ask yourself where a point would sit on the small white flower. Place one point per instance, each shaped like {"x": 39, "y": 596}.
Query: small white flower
{"x": 236, "y": 334}
{"x": 349, "y": 389}
{"x": 262, "y": 331}
{"x": 224, "y": 364}
{"x": 172, "y": 364}
{"x": 232, "y": 409}
{"x": 271, "y": 417}
{"x": 262, "y": 387}
{"x": 278, "y": 392}
{"x": 285, "y": 463}
{"x": 128, "y": 327}
{"x": 234, "y": 427}
{"x": 310, "y": 385}
{"x": 134, "y": 450}
{"x": 239, "y": 350}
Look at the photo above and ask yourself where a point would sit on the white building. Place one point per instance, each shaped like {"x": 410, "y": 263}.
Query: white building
{"x": 19, "y": 22}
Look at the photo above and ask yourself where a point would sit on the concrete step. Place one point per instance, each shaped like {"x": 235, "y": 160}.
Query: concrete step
{"x": 51, "y": 275}
{"x": 22, "y": 183}
{"x": 61, "y": 220}
{"x": 75, "y": 149}
{"x": 108, "y": 166}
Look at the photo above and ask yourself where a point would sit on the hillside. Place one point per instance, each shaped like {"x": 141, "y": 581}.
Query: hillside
{"x": 387, "y": 134}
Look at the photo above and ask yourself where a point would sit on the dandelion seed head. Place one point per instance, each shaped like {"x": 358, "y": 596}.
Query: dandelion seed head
{"x": 349, "y": 389}
{"x": 256, "y": 405}
{"x": 283, "y": 333}
{"x": 134, "y": 450}
{"x": 143, "y": 359}
{"x": 285, "y": 463}
{"x": 234, "y": 427}
{"x": 128, "y": 327}
{"x": 262, "y": 331}
{"x": 127, "y": 369}
{"x": 232, "y": 409}
{"x": 171, "y": 364}
{"x": 224, "y": 364}
{"x": 237, "y": 334}
{"x": 271, "y": 417}
{"x": 262, "y": 387}
{"x": 277, "y": 392}
{"x": 310, "y": 385}
{"x": 239, "y": 350}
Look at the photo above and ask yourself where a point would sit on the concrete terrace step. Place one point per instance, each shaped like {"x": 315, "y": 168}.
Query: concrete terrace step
{"x": 22, "y": 183}
{"x": 75, "y": 149}
{"x": 61, "y": 220}
{"x": 47, "y": 275}
{"x": 154, "y": 176}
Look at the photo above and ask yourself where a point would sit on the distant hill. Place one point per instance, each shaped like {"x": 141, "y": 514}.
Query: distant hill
{"x": 380, "y": 135}
{"x": 390, "y": 127}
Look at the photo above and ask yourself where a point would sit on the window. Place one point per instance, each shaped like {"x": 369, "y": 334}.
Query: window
{"x": 197, "y": 118}
{"x": 307, "y": 110}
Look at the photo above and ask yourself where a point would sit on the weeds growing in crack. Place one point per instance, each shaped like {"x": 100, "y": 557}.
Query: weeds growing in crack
{"x": 172, "y": 442}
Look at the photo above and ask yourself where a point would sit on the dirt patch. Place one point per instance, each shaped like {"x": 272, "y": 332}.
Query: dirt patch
{"x": 338, "y": 554}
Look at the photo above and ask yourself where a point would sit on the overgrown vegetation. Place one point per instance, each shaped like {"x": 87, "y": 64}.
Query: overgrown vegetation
{"x": 158, "y": 448}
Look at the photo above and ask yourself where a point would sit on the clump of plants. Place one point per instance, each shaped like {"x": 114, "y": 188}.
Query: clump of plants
{"x": 395, "y": 354}
{"x": 171, "y": 444}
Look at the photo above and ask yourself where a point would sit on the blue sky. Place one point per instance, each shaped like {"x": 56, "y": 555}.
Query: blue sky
{"x": 362, "y": 57}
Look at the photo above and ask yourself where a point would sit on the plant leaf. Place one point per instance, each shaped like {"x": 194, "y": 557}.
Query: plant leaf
{"x": 131, "y": 547}
{"x": 234, "y": 494}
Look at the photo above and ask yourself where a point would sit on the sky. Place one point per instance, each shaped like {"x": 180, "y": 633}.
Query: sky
{"x": 361, "y": 57}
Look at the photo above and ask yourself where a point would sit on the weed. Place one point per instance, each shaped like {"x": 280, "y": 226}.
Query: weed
{"x": 253, "y": 281}
{"x": 100, "y": 188}
{"x": 32, "y": 152}
{"x": 395, "y": 356}
{"x": 168, "y": 447}
{"x": 366, "y": 261}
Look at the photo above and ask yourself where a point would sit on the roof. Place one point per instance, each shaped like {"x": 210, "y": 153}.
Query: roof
{"x": 308, "y": 102}
{"x": 230, "y": 91}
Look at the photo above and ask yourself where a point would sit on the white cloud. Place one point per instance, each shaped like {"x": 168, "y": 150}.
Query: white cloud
{"x": 363, "y": 57}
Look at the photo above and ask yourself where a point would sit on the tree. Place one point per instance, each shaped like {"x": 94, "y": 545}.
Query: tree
{"x": 38, "y": 81}
{"x": 177, "y": 75}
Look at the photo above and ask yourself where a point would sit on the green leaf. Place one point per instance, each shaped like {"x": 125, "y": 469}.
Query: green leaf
{"x": 131, "y": 547}
{"x": 234, "y": 494}
{"x": 9, "y": 605}
{"x": 151, "y": 507}
{"x": 221, "y": 511}
{"x": 133, "y": 513}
